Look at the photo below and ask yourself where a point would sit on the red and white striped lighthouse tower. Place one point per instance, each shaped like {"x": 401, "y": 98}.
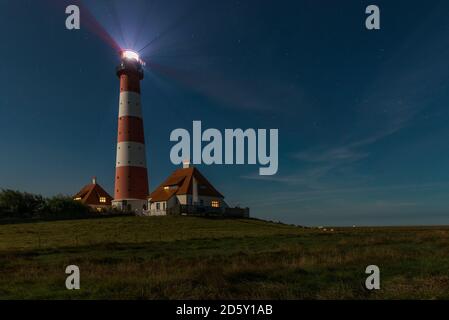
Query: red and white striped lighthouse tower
{"x": 131, "y": 177}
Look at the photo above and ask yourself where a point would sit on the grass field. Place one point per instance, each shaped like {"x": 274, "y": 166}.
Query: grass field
{"x": 195, "y": 258}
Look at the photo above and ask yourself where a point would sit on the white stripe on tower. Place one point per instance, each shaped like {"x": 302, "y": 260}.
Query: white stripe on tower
{"x": 130, "y": 104}
{"x": 131, "y": 153}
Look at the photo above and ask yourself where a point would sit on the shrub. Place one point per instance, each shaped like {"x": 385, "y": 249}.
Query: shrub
{"x": 20, "y": 204}
{"x": 23, "y": 205}
{"x": 63, "y": 206}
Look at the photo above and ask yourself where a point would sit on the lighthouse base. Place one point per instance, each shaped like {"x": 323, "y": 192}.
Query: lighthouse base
{"x": 137, "y": 206}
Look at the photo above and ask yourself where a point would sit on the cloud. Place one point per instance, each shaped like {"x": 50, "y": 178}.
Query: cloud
{"x": 288, "y": 197}
{"x": 390, "y": 103}
{"x": 301, "y": 178}
{"x": 317, "y": 164}
{"x": 236, "y": 92}
{"x": 394, "y": 204}
{"x": 335, "y": 154}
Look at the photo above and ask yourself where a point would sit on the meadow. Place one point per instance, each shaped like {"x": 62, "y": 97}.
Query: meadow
{"x": 198, "y": 258}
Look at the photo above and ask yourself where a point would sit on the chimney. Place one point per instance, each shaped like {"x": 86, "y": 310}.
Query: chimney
{"x": 94, "y": 180}
{"x": 186, "y": 164}
{"x": 194, "y": 191}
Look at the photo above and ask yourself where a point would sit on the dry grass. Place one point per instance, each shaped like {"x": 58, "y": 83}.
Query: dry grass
{"x": 192, "y": 258}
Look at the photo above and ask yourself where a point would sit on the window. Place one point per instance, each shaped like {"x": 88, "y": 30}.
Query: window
{"x": 166, "y": 188}
{"x": 164, "y": 206}
{"x": 158, "y": 206}
{"x": 77, "y": 199}
{"x": 215, "y": 204}
{"x": 103, "y": 199}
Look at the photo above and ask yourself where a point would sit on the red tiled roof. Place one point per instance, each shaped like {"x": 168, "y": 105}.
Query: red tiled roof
{"x": 180, "y": 182}
{"x": 91, "y": 193}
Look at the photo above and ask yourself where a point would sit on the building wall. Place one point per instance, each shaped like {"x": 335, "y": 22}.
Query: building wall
{"x": 162, "y": 211}
{"x": 154, "y": 211}
{"x": 99, "y": 207}
{"x": 205, "y": 200}
{"x": 181, "y": 199}
{"x": 135, "y": 205}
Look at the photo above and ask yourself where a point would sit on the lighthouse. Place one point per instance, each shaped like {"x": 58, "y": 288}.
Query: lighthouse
{"x": 131, "y": 176}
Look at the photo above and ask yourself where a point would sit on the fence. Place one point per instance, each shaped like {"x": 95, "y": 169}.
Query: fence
{"x": 192, "y": 210}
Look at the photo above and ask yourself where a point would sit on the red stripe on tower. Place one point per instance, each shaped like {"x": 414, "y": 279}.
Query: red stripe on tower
{"x": 131, "y": 177}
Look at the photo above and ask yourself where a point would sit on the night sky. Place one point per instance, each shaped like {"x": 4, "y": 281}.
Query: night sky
{"x": 362, "y": 115}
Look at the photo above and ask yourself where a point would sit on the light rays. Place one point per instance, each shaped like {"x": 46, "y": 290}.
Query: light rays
{"x": 180, "y": 41}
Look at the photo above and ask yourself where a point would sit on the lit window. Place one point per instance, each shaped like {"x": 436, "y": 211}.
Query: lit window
{"x": 215, "y": 204}
{"x": 77, "y": 199}
{"x": 166, "y": 188}
{"x": 103, "y": 199}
